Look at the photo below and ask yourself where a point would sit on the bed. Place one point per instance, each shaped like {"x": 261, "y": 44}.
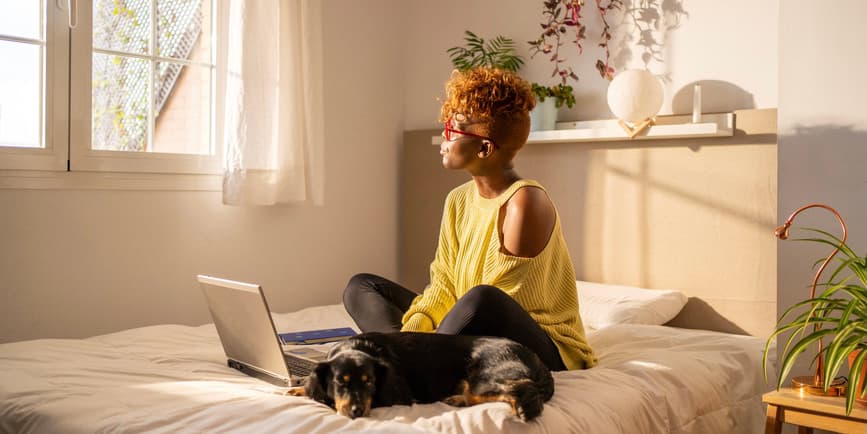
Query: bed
{"x": 650, "y": 378}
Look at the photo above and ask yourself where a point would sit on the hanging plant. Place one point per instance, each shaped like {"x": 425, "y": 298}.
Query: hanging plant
{"x": 563, "y": 17}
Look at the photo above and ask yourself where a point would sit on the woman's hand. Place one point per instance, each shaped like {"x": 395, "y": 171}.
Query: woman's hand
{"x": 419, "y": 322}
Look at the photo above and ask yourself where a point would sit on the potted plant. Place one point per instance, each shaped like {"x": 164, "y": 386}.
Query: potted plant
{"x": 548, "y": 100}
{"x": 496, "y": 53}
{"x": 837, "y": 316}
{"x": 561, "y": 94}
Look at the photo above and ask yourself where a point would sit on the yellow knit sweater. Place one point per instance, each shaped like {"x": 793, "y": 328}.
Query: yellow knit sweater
{"x": 469, "y": 254}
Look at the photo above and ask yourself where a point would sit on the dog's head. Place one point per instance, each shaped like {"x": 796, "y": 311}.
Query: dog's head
{"x": 347, "y": 382}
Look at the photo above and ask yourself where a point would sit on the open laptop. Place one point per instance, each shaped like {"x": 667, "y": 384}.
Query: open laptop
{"x": 247, "y": 332}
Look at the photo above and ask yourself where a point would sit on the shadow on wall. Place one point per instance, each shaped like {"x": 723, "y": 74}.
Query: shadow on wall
{"x": 644, "y": 26}
{"x": 717, "y": 97}
{"x": 698, "y": 314}
{"x": 825, "y": 163}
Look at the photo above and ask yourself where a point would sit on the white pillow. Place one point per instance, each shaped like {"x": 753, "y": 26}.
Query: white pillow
{"x": 602, "y": 305}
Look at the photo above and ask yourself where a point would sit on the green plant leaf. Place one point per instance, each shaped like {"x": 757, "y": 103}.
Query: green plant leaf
{"x": 790, "y": 357}
{"x": 782, "y": 329}
{"x": 838, "y": 243}
{"x": 845, "y": 340}
{"x": 495, "y": 53}
{"x": 854, "y": 377}
{"x": 845, "y": 264}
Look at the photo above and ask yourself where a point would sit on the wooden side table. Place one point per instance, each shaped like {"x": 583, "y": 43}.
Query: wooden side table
{"x": 788, "y": 405}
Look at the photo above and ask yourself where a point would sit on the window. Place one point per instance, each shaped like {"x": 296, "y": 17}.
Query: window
{"x": 33, "y": 86}
{"x": 140, "y": 95}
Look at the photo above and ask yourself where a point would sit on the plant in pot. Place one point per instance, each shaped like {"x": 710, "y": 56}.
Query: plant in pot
{"x": 834, "y": 319}
{"x": 495, "y": 53}
{"x": 548, "y": 100}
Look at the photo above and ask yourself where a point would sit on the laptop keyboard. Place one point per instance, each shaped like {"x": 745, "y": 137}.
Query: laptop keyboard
{"x": 299, "y": 367}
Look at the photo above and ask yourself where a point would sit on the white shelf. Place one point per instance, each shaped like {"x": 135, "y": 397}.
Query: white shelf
{"x": 666, "y": 127}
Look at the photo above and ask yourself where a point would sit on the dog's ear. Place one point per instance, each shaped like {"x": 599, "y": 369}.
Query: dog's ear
{"x": 391, "y": 388}
{"x": 318, "y": 384}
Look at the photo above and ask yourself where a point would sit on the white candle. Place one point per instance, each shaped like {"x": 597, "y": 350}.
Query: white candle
{"x": 696, "y": 104}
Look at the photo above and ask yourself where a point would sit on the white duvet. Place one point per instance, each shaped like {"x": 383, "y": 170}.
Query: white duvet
{"x": 170, "y": 378}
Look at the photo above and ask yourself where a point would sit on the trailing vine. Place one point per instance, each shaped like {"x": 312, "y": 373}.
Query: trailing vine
{"x": 563, "y": 16}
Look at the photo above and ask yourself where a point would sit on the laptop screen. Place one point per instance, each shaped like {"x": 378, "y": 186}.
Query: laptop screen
{"x": 243, "y": 321}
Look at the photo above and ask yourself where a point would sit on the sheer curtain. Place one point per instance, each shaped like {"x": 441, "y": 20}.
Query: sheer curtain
{"x": 273, "y": 125}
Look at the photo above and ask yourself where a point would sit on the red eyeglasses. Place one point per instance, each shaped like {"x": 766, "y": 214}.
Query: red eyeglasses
{"x": 449, "y": 132}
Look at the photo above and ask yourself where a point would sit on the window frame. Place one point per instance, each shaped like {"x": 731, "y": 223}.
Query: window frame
{"x": 83, "y": 158}
{"x": 66, "y": 162}
{"x": 54, "y": 124}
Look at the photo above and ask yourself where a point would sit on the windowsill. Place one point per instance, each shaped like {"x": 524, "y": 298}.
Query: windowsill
{"x": 62, "y": 180}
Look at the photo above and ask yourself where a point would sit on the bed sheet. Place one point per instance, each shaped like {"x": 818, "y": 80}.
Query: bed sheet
{"x": 172, "y": 378}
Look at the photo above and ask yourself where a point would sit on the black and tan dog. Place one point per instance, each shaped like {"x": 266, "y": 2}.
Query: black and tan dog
{"x": 381, "y": 369}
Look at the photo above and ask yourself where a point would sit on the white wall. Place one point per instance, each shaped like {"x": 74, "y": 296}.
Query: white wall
{"x": 823, "y": 132}
{"x": 738, "y": 69}
{"x": 78, "y": 263}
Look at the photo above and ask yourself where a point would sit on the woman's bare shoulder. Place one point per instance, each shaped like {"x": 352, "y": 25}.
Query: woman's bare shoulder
{"x": 528, "y": 222}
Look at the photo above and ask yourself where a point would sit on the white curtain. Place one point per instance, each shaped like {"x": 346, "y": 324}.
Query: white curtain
{"x": 273, "y": 125}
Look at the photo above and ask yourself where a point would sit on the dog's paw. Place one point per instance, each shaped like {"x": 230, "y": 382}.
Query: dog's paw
{"x": 296, "y": 391}
{"x": 518, "y": 411}
{"x": 456, "y": 400}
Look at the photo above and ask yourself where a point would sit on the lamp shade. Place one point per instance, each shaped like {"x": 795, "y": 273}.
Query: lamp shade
{"x": 635, "y": 95}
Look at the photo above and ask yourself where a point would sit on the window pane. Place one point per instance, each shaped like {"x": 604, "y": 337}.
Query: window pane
{"x": 122, "y": 25}
{"x": 184, "y": 29}
{"x": 121, "y": 99}
{"x": 182, "y": 104}
{"x": 21, "y": 18}
{"x": 20, "y": 94}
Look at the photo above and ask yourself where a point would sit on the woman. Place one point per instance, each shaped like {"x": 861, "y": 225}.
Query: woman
{"x": 501, "y": 267}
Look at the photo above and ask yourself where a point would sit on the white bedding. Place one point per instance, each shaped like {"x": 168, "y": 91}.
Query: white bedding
{"x": 170, "y": 378}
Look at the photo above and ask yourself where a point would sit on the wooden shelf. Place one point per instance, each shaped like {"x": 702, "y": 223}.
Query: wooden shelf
{"x": 666, "y": 127}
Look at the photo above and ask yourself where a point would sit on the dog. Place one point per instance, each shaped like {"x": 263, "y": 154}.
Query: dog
{"x": 373, "y": 370}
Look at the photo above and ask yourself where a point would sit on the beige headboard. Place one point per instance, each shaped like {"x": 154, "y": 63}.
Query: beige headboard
{"x": 691, "y": 214}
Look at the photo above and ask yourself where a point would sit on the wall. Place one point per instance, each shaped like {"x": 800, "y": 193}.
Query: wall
{"x": 79, "y": 263}
{"x": 823, "y": 132}
{"x": 696, "y": 42}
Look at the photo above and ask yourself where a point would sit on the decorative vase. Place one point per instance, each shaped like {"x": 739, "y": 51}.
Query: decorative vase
{"x": 635, "y": 95}
{"x": 544, "y": 116}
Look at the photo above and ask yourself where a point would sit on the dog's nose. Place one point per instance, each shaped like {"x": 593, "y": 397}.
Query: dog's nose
{"x": 356, "y": 411}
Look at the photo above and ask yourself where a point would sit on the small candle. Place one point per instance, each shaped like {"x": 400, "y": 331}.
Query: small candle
{"x": 696, "y": 104}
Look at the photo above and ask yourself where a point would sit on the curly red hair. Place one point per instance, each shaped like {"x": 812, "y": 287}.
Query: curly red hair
{"x": 486, "y": 95}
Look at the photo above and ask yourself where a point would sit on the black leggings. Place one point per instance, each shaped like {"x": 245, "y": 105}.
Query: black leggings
{"x": 378, "y": 304}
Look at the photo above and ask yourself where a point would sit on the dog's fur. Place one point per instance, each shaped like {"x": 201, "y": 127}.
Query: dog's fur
{"x": 381, "y": 369}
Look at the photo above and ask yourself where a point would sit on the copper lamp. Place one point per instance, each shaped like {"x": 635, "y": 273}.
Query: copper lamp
{"x": 814, "y": 384}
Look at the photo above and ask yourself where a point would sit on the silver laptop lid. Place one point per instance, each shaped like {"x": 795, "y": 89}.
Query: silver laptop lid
{"x": 243, "y": 321}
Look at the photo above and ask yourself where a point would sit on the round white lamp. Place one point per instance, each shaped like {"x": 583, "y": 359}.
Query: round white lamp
{"x": 635, "y": 96}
